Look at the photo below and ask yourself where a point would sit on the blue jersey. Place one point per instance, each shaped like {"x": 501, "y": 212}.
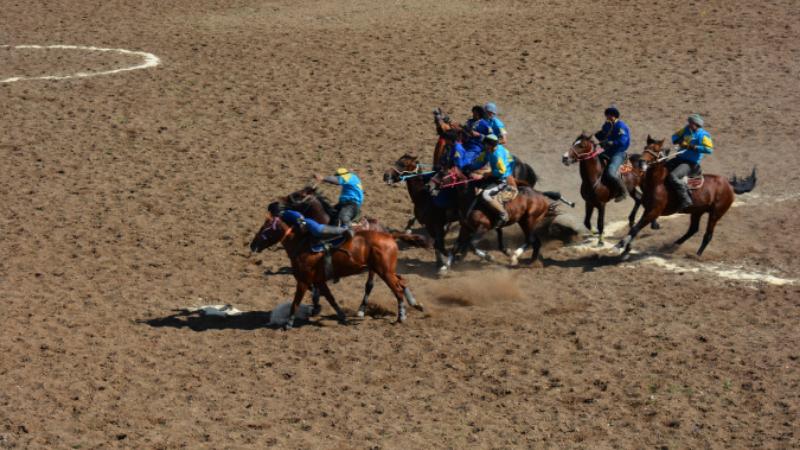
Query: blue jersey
{"x": 481, "y": 126}
{"x": 352, "y": 191}
{"x": 703, "y": 145}
{"x": 501, "y": 163}
{"x": 616, "y": 135}
{"x": 498, "y": 127}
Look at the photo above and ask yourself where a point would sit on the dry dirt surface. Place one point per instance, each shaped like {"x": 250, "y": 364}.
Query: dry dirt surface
{"x": 128, "y": 196}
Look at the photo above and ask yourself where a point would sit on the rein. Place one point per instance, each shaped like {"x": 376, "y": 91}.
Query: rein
{"x": 453, "y": 175}
{"x": 407, "y": 174}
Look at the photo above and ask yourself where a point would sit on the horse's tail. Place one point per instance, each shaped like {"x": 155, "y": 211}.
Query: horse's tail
{"x": 524, "y": 173}
{"x": 743, "y": 185}
{"x": 556, "y": 196}
{"x": 414, "y": 240}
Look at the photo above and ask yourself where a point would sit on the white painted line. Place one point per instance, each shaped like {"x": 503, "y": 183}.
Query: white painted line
{"x": 737, "y": 273}
{"x": 720, "y": 270}
{"x": 150, "y": 60}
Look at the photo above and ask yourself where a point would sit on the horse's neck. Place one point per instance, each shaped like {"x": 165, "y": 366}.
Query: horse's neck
{"x": 655, "y": 175}
{"x": 591, "y": 170}
{"x": 417, "y": 190}
{"x": 294, "y": 244}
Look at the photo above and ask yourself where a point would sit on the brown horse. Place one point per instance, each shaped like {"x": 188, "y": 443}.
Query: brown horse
{"x": 309, "y": 202}
{"x": 368, "y": 250}
{"x": 714, "y": 197}
{"x": 527, "y": 209}
{"x": 594, "y": 191}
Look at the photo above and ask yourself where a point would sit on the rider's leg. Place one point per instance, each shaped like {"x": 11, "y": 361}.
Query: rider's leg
{"x": 490, "y": 197}
{"x": 612, "y": 170}
{"x": 675, "y": 182}
{"x": 347, "y": 212}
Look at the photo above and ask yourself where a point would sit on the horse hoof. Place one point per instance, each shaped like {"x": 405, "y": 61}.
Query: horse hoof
{"x": 360, "y": 314}
{"x": 287, "y": 326}
{"x": 655, "y": 226}
{"x": 315, "y": 310}
{"x": 419, "y": 307}
{"x": 442, "y": 270}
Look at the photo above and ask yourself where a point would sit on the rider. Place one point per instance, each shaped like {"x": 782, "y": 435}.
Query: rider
{"x": 498, "y": 177}
{"x": 694, "y": 142}
{"x": 318, "y": 230}
{"x": 497, "y": 125}
{"x": 477, "y": 128}
{"x": 615, "y": 137}
{"x": 351, "y": 197}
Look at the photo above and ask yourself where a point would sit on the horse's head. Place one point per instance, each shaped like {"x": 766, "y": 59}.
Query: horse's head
{"x": 581, "y": 148}
{"x": 652, "y": 152}
{"x": 272, "y": 232}
{"x": 407, "y": 164}
{"x": 301, "y": 196}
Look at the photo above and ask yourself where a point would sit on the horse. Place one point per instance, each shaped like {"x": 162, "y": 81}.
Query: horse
{"x": 309, "y": 202}
{"x": 714, "y": 197}
{"x": 527, "y": 209}
{"x": 426, "y": 211}
{"x": 372, "y": 250}
{"x": 594, "y": 191}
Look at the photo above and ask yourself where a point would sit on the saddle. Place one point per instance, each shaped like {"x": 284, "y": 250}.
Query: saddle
{"x": 695, "y": 179}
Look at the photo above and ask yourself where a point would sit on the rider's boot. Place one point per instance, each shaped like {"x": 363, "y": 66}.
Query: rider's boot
{"x": 684, "y": 199}
{"x": 622, "y": 191}
{"x": 501, "y": 212}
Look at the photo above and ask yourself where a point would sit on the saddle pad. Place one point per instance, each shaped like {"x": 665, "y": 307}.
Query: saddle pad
{"x": 626, "y": 168}
{"x": 507, "y": 194}
{"x": 333, "y": 243}
{"x": 695, "y": 182}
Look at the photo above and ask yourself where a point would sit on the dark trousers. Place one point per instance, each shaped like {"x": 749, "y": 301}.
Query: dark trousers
{"x": 678, "y": 169}
{"x": 346, "y": 213}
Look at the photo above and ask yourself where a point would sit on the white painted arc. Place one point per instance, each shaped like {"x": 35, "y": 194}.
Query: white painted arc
{"x": 149, "y": 60}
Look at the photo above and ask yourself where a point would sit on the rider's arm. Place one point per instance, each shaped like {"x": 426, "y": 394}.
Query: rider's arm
{"x": 331, "y": 180}
{"x": 623, "y": 140}
{"x": 706, "y": 145}
{"x": 678, "y": 136}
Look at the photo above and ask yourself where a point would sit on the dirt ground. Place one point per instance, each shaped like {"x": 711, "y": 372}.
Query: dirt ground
{"x": 128, "y": 196}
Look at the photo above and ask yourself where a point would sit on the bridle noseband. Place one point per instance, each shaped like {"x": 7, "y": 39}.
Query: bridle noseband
{"x": 596, "y": 150}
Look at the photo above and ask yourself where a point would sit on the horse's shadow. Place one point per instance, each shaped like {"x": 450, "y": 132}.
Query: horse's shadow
{"x": 591, "y": 262}
{"x": 252, "y": 320}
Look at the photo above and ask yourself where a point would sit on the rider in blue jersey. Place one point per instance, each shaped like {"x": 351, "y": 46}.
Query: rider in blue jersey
{"x": 352, "y": 196}
{"x": 695, "y": 142}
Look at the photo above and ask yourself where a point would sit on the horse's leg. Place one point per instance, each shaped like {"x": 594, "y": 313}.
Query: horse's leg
{"x": 625, "y": 244}
{"x": 473, "y": 243}
{"x": 637, "y": 200}
{"x": 367, "y": 290}
{"x": 443, "y": 260}
{"x": 694, "y": 225}
{"x": 299, "y": 293}
{"x": 410, "y": 224}
{"x": 500, "y": 244}
{"x": 393, "y": 281}
{"x": 315, "y": 310}
{"x": 587, "y": 218}
{"x": 601, "y": 218}
{"x": 325, "y": 290}
{"x": 712, "y": 222}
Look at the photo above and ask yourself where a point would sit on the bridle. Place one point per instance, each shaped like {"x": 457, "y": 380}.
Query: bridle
{"x": 596, "y": 150}
{"x": 274, "y": 227}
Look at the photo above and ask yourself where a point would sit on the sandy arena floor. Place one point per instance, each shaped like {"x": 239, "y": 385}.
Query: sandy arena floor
{"x": 127, "y": 196}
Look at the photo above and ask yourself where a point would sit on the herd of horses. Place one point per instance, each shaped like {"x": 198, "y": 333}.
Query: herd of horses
{"x": 374, "y": 249}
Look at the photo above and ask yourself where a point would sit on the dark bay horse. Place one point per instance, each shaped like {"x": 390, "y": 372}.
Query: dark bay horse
{"x": 432, "y": 216}
{"x": 369, "y": 250}
{"x": 714, "y": 197}
{"x": 594, "y": 191}
{"x": 527, "y": 209}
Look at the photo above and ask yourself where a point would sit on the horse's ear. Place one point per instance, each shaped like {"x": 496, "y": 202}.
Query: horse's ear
{"x": 650, "y": 140}
{"x": 661, "y": 142}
